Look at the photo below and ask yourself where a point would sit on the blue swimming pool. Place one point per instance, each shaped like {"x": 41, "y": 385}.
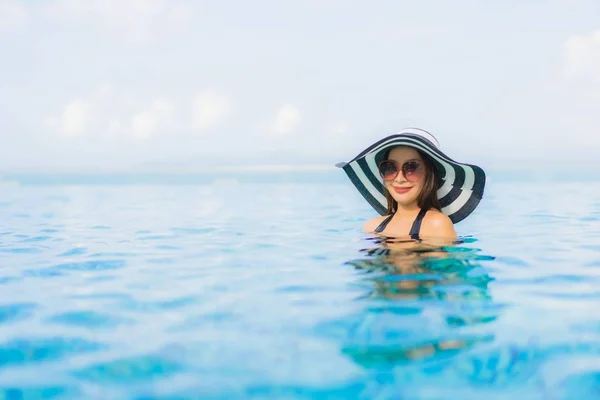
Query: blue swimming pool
{"x": 262, "y": 286}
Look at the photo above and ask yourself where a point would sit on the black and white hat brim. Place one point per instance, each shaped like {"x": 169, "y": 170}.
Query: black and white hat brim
{"x": 461, "y": 185}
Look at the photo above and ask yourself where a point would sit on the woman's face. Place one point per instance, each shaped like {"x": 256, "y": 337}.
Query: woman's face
{"x": 408, "y": 183}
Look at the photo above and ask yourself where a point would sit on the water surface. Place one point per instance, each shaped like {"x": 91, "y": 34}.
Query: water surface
{"x": 261, "y": 287}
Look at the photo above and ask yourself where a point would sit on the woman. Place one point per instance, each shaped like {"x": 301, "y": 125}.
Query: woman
{"x": 419, "y": 191}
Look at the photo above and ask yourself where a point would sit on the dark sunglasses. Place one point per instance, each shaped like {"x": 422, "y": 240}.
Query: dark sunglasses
{"x": 412, "y": 170}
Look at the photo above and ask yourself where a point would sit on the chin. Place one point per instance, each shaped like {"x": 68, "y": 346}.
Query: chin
{"x": 404, "y": 200}
{"x": 406, "y": 203}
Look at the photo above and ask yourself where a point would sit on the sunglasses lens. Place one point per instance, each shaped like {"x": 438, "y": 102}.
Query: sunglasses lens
{"x": 388, "y": 170}
{"x": 412, "y": 171}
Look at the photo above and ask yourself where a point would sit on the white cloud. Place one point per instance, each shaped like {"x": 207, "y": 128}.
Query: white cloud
{"x": 143, "y": 124}
{"x": 149, "y": 122}
{"x": 12, "y": 14}
{"x": 287, "y": 120}
{"x": 112, "y": 111}
{"x": 109, "y": 111}
{"x": 582, "y": 56}
{"x": 75, "y": 117}
{"x": 137, "y": 20}
{"x": 209, "y": 108}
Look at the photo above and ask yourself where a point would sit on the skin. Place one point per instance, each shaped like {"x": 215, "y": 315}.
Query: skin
{"x": 435, "y": 225}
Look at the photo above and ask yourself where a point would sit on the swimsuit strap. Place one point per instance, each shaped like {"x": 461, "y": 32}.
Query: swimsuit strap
{"x": 414, "y": 230}
{"x": 416, "y": 226}
{"x": 383, "y": 224}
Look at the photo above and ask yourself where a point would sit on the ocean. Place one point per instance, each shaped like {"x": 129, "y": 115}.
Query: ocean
{"x": 260, "y": 284}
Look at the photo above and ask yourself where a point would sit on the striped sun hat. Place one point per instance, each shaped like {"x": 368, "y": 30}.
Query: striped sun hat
{"x": 461, "y": 187}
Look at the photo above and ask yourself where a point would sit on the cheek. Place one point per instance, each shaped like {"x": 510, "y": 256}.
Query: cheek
{"x": 421, "y": 184}
{"x": 419, "y": 188}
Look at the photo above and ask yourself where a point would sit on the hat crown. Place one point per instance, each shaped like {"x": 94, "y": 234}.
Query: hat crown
{"x": 422, "y": 134}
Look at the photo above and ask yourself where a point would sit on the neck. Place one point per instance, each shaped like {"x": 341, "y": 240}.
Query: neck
{"x": 407, "y": 209}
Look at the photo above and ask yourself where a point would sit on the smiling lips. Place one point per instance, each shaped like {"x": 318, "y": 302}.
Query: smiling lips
{"x": 401, "y": 190}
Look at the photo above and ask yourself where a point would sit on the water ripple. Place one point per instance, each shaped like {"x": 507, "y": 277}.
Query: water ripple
{"x": 193, "y": 231}
{"x": 49, "y": 230}
{"x": 114, "y": 254}
{"x": 153, "y": 306}
{"x": 36, "y": 239}
{"x": 88, "y": 319}
{"x": 157, "y": 237}
{"x": 74, "y": 252}
{"x": 13, "y": 312}
{"x": 130, "y": 370}
{"x": 48, "y": 392}
{"x": 21, "y": 250}
{"x": 96, "y": 265}
{"x": 28, "y": 351}
{"x": 581, "y": 383}
{"x": 61, "y": 269}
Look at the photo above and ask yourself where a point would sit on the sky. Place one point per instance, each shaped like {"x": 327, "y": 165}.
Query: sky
{"x": 126, "y": 84}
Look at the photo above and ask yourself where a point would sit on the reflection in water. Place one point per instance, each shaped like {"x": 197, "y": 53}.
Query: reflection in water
{"x": 427, "y": 305}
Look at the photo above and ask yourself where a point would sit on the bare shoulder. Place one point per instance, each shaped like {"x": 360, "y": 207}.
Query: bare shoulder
{"x": 438, "y": 224}
{"x": 436, "y": 218}
{"x": 373, "y": 223}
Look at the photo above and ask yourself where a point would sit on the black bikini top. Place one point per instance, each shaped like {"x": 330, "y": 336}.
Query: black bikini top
{"x": 415, "y": 228}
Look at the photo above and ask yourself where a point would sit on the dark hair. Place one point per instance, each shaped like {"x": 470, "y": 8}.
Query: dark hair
{"x": 428, "y": 197}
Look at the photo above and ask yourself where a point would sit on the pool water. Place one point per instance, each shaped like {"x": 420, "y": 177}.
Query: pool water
{"x": 262, "y": 286}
